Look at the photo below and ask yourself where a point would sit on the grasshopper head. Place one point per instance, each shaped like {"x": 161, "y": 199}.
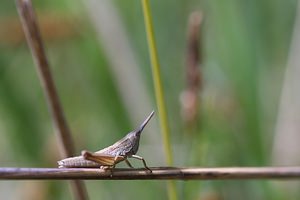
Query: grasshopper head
{"x": 134, "y": 136}
{"x": 142, "y": 126}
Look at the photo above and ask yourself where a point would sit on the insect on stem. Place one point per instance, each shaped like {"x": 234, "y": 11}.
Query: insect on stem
{"x": 108, "y": 157}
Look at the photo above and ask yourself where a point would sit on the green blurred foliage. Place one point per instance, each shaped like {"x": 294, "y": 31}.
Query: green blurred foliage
{"x": 246, "y": 46}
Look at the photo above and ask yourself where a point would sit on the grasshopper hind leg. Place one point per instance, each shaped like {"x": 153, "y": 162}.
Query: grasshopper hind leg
{"x": 112, "y": 167}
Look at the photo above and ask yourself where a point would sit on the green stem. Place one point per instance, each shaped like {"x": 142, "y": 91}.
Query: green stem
{"x": 159, "y": 93}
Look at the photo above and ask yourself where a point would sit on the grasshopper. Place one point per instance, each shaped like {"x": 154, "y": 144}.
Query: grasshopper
{"x": 108, "y": 157}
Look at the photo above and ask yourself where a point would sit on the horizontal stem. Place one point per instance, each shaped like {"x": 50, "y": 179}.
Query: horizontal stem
{"x": 164, "y": 173}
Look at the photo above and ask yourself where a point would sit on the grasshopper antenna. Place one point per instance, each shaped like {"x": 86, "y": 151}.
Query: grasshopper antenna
{"x": 142, "y": 126}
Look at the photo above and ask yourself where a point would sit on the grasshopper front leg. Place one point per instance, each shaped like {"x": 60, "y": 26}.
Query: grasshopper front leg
{"x": 143, "y": 160}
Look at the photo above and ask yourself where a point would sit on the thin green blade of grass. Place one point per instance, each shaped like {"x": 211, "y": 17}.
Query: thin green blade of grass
{"x": 159, "y": 93}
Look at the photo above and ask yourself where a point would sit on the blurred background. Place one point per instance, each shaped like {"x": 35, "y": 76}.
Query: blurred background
{"x": 247, "y": 103}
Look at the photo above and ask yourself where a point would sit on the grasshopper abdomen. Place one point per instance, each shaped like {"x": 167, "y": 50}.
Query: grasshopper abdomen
{"x": 75, "y": 162}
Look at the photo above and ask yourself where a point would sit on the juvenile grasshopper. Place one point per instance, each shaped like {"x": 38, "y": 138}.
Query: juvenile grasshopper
{"x": 108, "y": 157}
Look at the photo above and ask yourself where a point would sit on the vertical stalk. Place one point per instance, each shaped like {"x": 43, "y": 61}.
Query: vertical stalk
{"x": 159, "y": 93}
{"x": 35, "y": 42}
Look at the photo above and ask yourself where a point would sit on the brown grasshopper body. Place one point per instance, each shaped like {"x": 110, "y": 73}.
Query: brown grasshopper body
{"x": 126, "y": 147}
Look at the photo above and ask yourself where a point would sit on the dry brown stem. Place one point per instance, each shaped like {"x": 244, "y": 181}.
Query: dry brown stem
{"x": 34, "y": 40}
{"x": 163, "y": 173}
